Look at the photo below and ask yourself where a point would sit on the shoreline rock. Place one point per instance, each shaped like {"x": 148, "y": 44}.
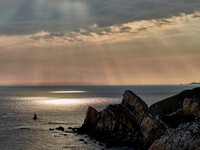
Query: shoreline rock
{"x": 133, "y": 124}
{"x": 60, "y": 128}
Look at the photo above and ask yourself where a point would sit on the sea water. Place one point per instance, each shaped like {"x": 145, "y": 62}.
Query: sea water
{"x": 64, "y": 106}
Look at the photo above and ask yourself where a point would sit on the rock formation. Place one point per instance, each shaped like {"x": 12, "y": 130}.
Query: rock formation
{"x": 159, "y": 127}
{"x": 182, "y": 138}
{"x": 172, "y": 111}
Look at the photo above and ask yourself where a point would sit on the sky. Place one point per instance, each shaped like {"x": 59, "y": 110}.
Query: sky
{"x": 99, "y": 42}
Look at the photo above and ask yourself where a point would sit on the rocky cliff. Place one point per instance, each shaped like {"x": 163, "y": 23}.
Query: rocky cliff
{"x": 161, "y": 126}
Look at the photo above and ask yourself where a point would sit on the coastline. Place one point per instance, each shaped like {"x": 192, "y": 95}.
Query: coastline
{"x": 133, "y": 124}
{"x": 53, "y": 115}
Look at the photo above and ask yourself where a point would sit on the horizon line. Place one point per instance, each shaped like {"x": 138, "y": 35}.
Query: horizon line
{"x": 51, "y": 85}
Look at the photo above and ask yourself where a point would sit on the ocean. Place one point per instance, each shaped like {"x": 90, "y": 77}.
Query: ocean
{"x": 64, "y": 106}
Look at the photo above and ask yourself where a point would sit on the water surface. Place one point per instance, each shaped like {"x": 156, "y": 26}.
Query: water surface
{"x": 61, "y": 106}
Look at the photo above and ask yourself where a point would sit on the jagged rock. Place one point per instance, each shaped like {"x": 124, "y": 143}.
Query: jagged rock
{"x": 191, "y": 107}
{"x": 122, "y": 124}
{"x": 134, "y": 103}
{"x": 195, "y": 144}
{"x": 167, "y": 125}
{"x": 189, "y": 111}
{"x": 172, "y": 104}
{"x": 179, "y": 138}
{"x": 181, "y": 108}
{"x": 152, "y": 129}
{"x": 60, "y": 128}
{"x": 92, "y": 117}
{"x": 113, "y": 126}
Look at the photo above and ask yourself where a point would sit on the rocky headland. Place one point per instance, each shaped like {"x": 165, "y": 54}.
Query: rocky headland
{"x": 171, "y": 124}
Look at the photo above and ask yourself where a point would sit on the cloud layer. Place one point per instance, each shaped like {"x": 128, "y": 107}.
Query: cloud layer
{"x": 26, "y": 17}
{"x": 153, "y": 51}
{"x": 99, "y": 42}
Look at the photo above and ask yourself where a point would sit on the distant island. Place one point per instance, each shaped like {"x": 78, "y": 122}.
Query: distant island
{"x": 194, "y": 83}
{"x": 173, "y": 123}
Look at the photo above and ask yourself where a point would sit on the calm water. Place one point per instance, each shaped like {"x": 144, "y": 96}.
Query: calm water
{"x": 61, "y": 106}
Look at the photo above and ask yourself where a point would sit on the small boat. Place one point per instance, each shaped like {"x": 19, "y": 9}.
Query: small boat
{"x": 35, "y": 117}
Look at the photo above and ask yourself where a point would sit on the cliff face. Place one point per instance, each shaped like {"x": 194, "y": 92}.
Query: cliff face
{"x": 133, "y": 124}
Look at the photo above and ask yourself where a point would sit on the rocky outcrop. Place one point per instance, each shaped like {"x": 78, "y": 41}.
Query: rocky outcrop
{"x": 151, "y": 129}
{"x": 191, "y": 107}
{"x": 181, "y": 138}
{"x": 161, "y": 126}
{"x": 125, "y": 124}
{"x": 185, "y": 128}
{"x": 136, "y": 106}
{"x": 181, "y": 108}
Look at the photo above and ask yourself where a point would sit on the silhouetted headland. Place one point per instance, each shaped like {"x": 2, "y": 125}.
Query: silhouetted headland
{"x": 173, "y": 123}
{"x": 194, "y": 83}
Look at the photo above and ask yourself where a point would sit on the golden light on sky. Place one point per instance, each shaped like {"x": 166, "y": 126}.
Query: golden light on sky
{"x": 84, "y": 48}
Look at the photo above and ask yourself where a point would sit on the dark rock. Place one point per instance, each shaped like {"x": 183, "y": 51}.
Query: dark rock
{"x": 195, "y": 144}
{"x": 181, "y": 108}
{"x": 172, "y": 104}
{"x": 60, "y": 128}
{"x": 86, "y": 142}
{"x": 152, "y": 130}
{"x": 122, "y": 124}
{"x": 35, "y": 117}
{"x": 175, "y": 119}
{"x": 135, "y": 104}
{"x": 133, "y": 124}
{"x": 51, "y": 129}
{"x": 100, "y": 144}
{"x": 191, "y": 107}
{"x": 73, "y": 129}
{"x": 81, "y": 139}
{"x": 25, "y": 128}
{"x": 92, "y": 117}
{"x": 179, "y": 138}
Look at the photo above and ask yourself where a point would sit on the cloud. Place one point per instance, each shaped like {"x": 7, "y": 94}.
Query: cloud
{"x": 142, "y": 29}
{"x": 158, "y": 51}
{"x": 176, "y": 26}
{"x": 125, "y": 29}
{"x": 196, "y": 15}
{"x": 28, "y": 17}
{"x": 47, "y": 35}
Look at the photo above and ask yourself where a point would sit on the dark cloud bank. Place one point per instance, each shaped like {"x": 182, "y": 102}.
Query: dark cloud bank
{"x": 30, "y": 16}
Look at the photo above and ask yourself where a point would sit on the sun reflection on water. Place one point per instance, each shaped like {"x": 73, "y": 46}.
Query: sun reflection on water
{"x": 68, "y": 92}
{"x": 66, "y": 101}
{"x": 79, "y": 101}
